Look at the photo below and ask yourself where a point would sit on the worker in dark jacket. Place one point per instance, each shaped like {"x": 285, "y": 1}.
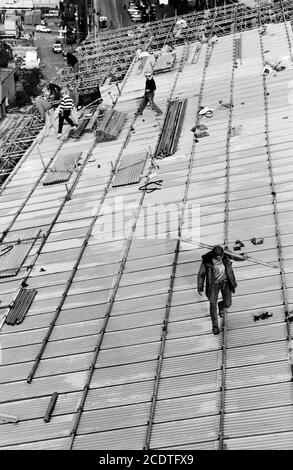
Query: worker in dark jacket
{"x": 72, "y": 61}
{"x": 150, "y": 87}
{"x": 55, "y": 91}
{"x": 217, "y": 274}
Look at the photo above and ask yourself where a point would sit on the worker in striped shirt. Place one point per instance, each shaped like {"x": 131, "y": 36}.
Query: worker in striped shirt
{"x": 65, "y": 107}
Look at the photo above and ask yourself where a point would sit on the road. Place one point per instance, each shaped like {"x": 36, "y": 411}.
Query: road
{"x": 51, "y": 62}
{"x": 107, "y": 8}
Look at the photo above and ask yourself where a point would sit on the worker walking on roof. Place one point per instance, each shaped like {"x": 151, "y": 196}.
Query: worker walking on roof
{"x": 150, "y": 87}
{"x": 65, "y": 107}
{"x": 54, "y": 90}
{"x": 217, "y": 274}
{"x": 74, "y": 95}
{"x": 72, "y": 61}
{"x": 46, "y": 110}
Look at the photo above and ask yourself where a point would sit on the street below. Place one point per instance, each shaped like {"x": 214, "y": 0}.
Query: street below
{"x": 51, "y": 62}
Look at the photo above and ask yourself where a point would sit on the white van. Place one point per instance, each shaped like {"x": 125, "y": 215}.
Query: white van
{"x": 53, "y": 13}
{"x": 31, "y": 61}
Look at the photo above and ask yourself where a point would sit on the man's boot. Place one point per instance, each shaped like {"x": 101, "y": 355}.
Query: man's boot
{"x": 222, "y": 312}
{"x": 216, "y": 330}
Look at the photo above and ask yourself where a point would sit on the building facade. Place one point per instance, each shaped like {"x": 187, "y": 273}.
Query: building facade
{"x": 7, "y": 89}
{"x": 28, "y": 4}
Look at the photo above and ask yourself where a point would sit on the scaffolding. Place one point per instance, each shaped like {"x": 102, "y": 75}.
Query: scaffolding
{"x": 110, "y": 53}
{"x": 18, "y": 140}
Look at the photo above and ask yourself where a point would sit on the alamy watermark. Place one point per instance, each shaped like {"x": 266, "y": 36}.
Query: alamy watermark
{"x": 120, "y": 218}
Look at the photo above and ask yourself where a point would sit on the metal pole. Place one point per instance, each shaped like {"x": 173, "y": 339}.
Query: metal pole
{"x": 44, "y": 166}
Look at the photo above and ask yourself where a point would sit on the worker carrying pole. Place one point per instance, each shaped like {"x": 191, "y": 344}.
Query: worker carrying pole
{"x": 217, "y": 274}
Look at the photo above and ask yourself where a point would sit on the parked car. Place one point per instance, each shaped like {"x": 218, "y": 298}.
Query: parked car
{"x": 42, "y": 29}
{"x": 53, "y": 13}
{"x": 57, "y": 47}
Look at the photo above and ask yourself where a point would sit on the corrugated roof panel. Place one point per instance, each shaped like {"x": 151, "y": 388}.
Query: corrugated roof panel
{"x": 50, "y": 444}
{"x": 36, "y": 407}
{"x": 129, "y": 175}
{"x": 132, "y": 336}
{"x": 128, "y": 354}
{"x": 191, "y": 363}
{"x": 182, "y": 431}
{"x": 89, "y": 312}
{"x": 114, "y": 440}
{"x": 258, "y": 397}
{"x": 252, "y": 301}
{"x": 47, "y": 367}
{"x": 211, "y": 445}
{"x": 114, "y": 418}
{"x": 89, "y": 285}
{"x": 263, "y": 284}
{"x": 145, "y": 276}
{"x": 123, "y": 374}
{"x": 141, "y": 319}
{"x": 21, "y": 354}
{"x": 54, "y": 177}
{"x": 81, "y": 300}
{"x": 142, "y": 290}
{"x": 143, "y": 305}
{"x": 262, "y": 334}
{"x": 97, "y": 271}
{"x": 254, "y": 422}
{"x": 149, "y": 262}
{"x": 39, "y": 387}
{"x": 101, "y": 398}
{"x": 21, "y": 306}
{"x": 260, "y": 374}
{"x": 76, "y": 329}
{"x": 189, "y": 311}
{"x": 67, "y": 161}
{"x": 70, "y": 346}
{"x": 186, "y": 407}
{"x": 199, "y": 326}
{"x": 191, "y": 345}
{"x": 13, "y": 258}
{"x": 35, "y": 430}
{"x": 244, "y": 319}
{"x": 180, "y": 386}
{"x": 21, "y": 234}
{"x": 260, "y": 353}
{"x": 278, "y": 441}
{"x": 150, "y": 250}
{"x": 53, "y": 349}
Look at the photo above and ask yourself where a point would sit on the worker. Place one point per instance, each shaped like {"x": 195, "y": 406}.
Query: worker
{"x": 150, "y": 87}
{"x": 6, "y": 104}
{"x": 46, "y": 110}
{"x": 217, "y": 274}
{"x": 72, "y": 61}
{"x": 98, "y": 96}
{"x": 74, "y": 95}
{"x": 180, "y": 25}
{"x": 54, "y": 90}
{"x": 65, "y": 108}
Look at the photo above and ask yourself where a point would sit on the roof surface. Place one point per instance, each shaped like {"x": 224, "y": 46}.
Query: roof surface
{"x": 155, "y": 374}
